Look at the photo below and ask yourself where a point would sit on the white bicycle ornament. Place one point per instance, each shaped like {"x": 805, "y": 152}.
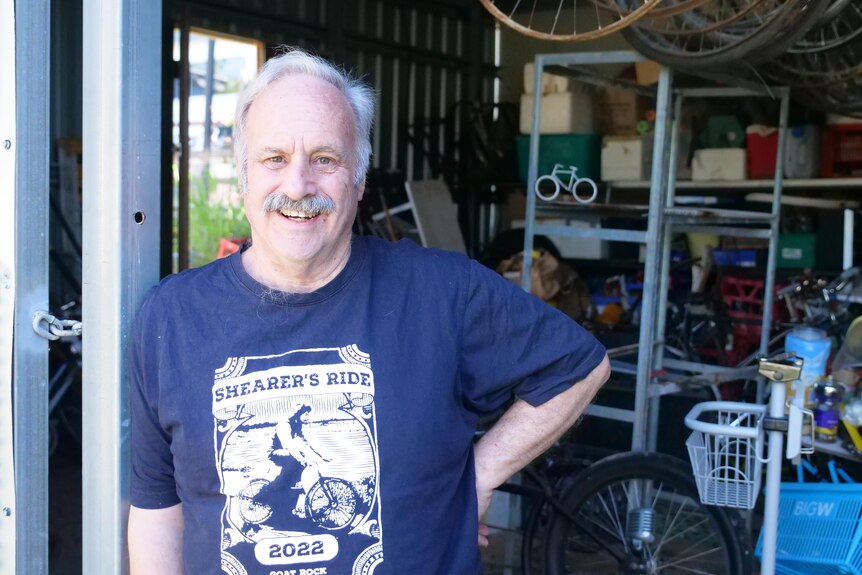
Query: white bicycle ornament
{"x": 555, "y": 177}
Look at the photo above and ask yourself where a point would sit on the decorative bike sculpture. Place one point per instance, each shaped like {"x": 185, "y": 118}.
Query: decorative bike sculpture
{"x": 557, "y": 179}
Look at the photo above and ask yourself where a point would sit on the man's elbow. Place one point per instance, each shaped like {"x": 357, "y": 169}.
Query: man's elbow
{"x": 601, "y": 373}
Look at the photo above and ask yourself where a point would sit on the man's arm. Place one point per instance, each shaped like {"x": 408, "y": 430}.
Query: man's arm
{"x": 524, "y": 432}
{"x": 156, "y": 540}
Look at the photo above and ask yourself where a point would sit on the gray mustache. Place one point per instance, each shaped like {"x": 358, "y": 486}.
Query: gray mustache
{"x": 317, "y": 204}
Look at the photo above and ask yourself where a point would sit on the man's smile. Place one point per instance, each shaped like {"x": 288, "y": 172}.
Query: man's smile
{"x": 297, "y": 216}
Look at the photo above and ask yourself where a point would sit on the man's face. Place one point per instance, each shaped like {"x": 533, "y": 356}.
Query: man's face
{"x": 301, "y": 143}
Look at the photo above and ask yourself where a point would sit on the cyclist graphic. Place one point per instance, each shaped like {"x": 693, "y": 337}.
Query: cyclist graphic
{"x": 299, "y": 462}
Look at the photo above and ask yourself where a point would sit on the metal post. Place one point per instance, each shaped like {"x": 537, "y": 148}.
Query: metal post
{"x": 30, "y": 277}
{"x": 532, "y": 174}
{"x": 121, "y": 169}
{"x": 847, "y": 252}
{"x": 652, "y": 263}
{"x": 772, "y": 254}
{"x": 8, "y": 148}
{"x": 671, "y": 152}
{"x": 185, "y": 148}
{"x": 773, "y": 481}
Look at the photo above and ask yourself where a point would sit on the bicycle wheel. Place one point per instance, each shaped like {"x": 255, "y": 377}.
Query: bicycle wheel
{"x": 331, "y": 503}
{"x": 250, "y": 509}
{"x": 550, "y": 180}
{"x": 837, "y": 26}
{"x": 645, "y": 514}
{"x": 767, "y": 30}
{"x": 562, "y": 21}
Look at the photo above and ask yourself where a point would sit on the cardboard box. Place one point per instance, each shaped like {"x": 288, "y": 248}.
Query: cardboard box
{"x": 551, "y": 83}
{"x": 626, "y": 157}
{"x": 719, "y": 164}
{"x": 619, "y": 111}
{"x": 562, "y": 113}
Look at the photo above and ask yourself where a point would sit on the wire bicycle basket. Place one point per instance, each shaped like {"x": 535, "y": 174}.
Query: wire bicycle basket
{"x": 725, "y": 448}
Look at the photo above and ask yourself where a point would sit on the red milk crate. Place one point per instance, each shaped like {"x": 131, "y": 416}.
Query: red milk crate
{"x": 841, "y": 150}
{"x": 744, "y": 300}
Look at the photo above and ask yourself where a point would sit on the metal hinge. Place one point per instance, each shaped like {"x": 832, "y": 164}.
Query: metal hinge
{"x": 52, "y": 328}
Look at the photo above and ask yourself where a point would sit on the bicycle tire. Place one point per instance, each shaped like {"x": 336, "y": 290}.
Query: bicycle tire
{"x": 709, "y": 538}
{"x": 331, "y": 503}
{"x": 540, "y": 512}
{"x": 511, "y": 18}
{"x": 768, "y": 41}
{"x": 839, "y": 13}
{"x": 557, "y": 186}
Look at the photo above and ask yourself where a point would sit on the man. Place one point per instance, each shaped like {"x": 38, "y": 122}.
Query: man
{"x": 390, "y": 352}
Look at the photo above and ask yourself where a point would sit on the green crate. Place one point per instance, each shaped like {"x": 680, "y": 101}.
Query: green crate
{"x": 583, "y": 151}
{"x": 796, "y": 250}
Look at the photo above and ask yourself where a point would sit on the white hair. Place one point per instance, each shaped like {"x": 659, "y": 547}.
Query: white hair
{"x": 296, "y": 61}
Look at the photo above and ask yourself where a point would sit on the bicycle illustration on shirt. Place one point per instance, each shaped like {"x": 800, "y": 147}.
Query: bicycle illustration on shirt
{"x": 556, "y": 179}
{"x": 329, "y": 502}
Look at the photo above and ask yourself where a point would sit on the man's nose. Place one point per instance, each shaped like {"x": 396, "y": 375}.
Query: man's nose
{"x": 297, "y": 179}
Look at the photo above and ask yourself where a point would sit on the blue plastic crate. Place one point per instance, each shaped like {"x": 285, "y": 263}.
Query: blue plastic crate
{"x": 818, "y": 529}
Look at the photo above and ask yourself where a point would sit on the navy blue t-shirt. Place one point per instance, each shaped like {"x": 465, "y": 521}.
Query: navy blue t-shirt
{"x": 331, "y": 433}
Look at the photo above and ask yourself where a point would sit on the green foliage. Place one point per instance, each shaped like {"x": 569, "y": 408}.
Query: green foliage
{"x": 211, "y": 219}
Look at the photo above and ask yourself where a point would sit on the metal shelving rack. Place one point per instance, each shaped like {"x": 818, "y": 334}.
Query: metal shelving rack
{"x": 663, "y": 218}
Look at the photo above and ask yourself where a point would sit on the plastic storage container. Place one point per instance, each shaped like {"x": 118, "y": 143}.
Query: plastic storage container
{"x": 841, "y": 150}
{"x": 818, "y": 529}
{"x": 581, "y": 150}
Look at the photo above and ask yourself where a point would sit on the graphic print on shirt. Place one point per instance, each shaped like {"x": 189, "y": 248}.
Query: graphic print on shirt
{"x": 296, "y": 451}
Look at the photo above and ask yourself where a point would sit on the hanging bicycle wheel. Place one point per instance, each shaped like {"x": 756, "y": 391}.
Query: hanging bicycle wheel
{"x": 722, "y": 32}
{"x": 641, "y": 513}
{"x": 568, "y": 20}
{"x": 840, "y": 23}
{"x": 829, "y": 55}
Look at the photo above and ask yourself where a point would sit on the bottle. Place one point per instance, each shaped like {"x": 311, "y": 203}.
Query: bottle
{"x": 827, "y": 411}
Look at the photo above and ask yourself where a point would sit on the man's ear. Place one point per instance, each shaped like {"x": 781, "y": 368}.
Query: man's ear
{"x": 360, "y": 191}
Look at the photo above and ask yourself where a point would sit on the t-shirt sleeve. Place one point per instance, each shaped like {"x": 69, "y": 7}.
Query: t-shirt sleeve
{"x": 514, "y": 343}
{"x": 152, "y": 481}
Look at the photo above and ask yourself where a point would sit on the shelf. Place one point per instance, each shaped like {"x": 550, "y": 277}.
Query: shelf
{"x": 788, "y": 184}
{"x": 711, "y": 216}
{"x": 835, "y": 449}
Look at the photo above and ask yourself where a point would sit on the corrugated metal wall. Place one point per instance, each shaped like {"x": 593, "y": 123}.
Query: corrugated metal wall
{"x": 422, "y": 58}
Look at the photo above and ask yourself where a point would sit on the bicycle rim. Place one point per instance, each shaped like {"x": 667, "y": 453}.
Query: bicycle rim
{"x": 760, "y": 37}
{"x": 688, "y": 537}
{"x": 567, "y": 20}
{"x": 331, "y": 503}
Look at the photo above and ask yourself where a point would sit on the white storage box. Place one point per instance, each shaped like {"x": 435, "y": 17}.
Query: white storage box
{"x": 626, "y": 158}
{"x": 563, "y": 113}
{"x": 551, "y": 83}
{"x": 719, "y": 164}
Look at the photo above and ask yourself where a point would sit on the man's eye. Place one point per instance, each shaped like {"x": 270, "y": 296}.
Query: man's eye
{"x": 273, "y": 161}
{"x": 324, "y": 161}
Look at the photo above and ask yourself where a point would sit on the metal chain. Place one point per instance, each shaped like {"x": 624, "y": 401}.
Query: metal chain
{"x": 52, "y": 328}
